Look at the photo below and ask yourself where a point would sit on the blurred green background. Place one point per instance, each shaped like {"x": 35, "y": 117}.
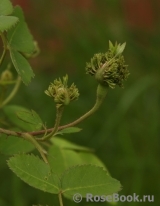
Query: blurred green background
{"x": 125, "y": 131}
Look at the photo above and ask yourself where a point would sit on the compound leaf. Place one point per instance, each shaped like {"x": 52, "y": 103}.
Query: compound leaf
{"x": 34, "y": 172}
{"x": 6, "y": 22}
{"x": 85, "y": 179}
{"x": 22, "y": 66}
{"x": 6, "y": 7}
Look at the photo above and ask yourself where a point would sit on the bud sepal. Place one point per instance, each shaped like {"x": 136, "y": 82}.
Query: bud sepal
{"x": 109, "y": 68}
{"x": 61, "y": 93}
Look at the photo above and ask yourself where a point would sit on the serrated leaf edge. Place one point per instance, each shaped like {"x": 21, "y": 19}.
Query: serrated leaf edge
{"x": 15, "y": 66}
{"x": 73, "y": 167}
{"x": 37, "y": 178}
{"x": 13, "y": 25}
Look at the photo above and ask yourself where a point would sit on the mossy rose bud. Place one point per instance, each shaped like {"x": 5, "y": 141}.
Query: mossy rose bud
{"x": 61, "y": 93}
{"x": 109, "y": 68}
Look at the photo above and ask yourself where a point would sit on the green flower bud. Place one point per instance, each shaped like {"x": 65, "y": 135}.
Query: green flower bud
{"x": 109, "y": 68}
{"x": 61, "y": 93}
{"x": 6, "y": 75}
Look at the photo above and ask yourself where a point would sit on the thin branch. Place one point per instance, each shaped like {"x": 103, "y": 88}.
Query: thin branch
{"x": 100, "y": 97}
{"x": 5, "y": 47}
{"x": 57, "y": 122}
{"x": 36, "y": 133}
{"x": 37, "y": 145}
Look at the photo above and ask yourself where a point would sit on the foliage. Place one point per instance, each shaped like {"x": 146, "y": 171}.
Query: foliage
{"x": 125, "y": 131}
{"x": 65, "y": 168}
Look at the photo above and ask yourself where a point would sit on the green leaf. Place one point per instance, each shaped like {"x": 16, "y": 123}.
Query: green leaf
{"x": 31, "y": 117}
{"x": 11, "y": 113}
{"x": 62, "y": 143}
{"x": 22, "y": 66}
{"x": 6, "y": 22}
{"x": 61, "y": 159}
{"x": 91, "y": 158}
{"x": 19, "y": 37}
{"x": 13, "y": 145}
{"x": 78, "y": 179}
{"x": 88, "y": 179}
{"x": 6, "y": 7}
{"x": 69, "y": 130}
{"x": 34, "y": 172}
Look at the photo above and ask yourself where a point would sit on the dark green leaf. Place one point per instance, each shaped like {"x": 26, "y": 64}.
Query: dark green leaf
{"x": 11, "y": 113}
{"x": 6, "y": 22}
{"x": 88, "y": 179}
{"x": 6, "y": 7}
{"x": 22, "y": 66}
{"x": 34, "y": 172}
{"x": 13, "y": 145}
{"x": 19, "y": 37}
{"x": 31, "y": 117}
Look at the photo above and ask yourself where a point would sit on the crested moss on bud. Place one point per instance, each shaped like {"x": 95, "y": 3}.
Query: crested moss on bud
{"x": 109, "y": 68}
{"x": 61, "y": 93}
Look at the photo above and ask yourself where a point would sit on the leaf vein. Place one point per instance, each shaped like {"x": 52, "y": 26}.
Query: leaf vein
{"x": 36, "y": 178}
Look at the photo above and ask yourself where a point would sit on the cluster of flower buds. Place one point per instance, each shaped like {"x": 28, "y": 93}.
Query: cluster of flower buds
{"x": 109, "y": 68}
{"x": 61, "y": 93}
